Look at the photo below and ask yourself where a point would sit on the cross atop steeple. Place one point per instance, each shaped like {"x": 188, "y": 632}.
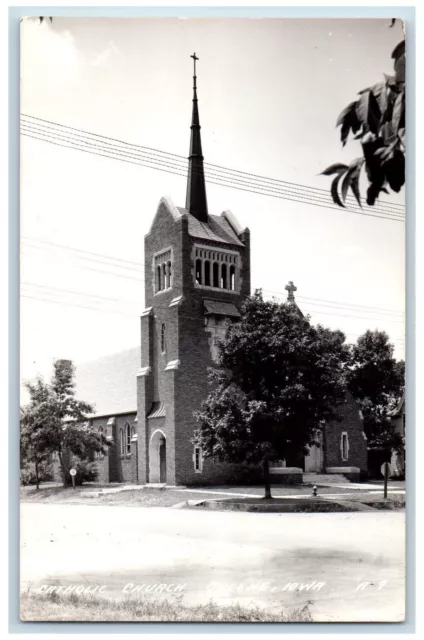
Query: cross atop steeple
{"x": 194, "y": 60}
{"x": 290, "y": 288}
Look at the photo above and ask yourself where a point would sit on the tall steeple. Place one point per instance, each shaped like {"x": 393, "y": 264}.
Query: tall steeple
{"x": 196, "y": 202}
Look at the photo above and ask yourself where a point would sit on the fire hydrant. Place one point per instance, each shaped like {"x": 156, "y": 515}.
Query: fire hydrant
{"x": 315, "y": 491}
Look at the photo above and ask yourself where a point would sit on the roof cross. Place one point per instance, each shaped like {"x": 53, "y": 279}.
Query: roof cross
{"x": 291, "y": 289}
{"x": 194, "y": 60}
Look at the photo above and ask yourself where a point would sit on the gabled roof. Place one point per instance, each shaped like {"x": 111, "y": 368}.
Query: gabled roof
{"x": 217, "y": 229}
{"x": 110, "y": 382}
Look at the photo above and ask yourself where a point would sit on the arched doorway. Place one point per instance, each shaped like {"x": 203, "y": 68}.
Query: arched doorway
{"x": 157, "y": 457}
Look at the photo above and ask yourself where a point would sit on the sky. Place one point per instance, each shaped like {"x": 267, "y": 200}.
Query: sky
{"x": 270, "y": 91}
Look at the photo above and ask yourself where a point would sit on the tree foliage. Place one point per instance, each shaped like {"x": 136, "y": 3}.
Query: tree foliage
{"x": 278, "y": 379}
{"x": 55, "y": 421}
{"x": 377, "y": 119}
{"x": 377, "y": 382}
{"x": 36, "y": 426}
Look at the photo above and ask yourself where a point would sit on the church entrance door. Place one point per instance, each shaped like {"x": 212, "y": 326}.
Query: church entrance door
{"x": 157, "y": 457}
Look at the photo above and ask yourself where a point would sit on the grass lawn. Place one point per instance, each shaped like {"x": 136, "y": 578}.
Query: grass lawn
{"x": 83, "y": 608}
{"x": 147, "y": 497}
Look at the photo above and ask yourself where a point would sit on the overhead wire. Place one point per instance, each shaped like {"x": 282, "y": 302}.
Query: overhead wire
{"x": 317, "y": 198}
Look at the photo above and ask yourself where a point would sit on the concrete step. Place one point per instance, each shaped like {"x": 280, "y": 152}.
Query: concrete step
{"x": 318, "y": 478}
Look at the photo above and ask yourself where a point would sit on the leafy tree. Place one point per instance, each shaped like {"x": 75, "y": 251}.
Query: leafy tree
{"x": 377, "y": 382}
{"x": 278, "y": 379}
{"x": 377, "y": 119}
{"x": 61, "y": 419}
{"x": 36, "y": 424}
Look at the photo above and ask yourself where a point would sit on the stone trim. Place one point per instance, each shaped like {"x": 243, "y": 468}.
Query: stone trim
{"x": 146, "y": 312}
{"x": 172, "y": 364}
{"x": 175, "y": 301}
{"x": 144, "y": 371}
{"x": 233, "y": 222}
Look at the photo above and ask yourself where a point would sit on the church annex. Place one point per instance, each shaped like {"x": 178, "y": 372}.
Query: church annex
{"x": 197, "y": 274}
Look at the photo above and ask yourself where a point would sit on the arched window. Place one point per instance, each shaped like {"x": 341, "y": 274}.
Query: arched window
{"x": 216, "y": 275}
{"x": 164, "y": 276}
{"x": 162, "y": 339}
{"x": 128, "y": 439}
{"x": 199, "y": 271}
{"x": 207, "y": 273}
{"x": 232, "y": 278}
{"x": 223, "y": 276}
{"x": 122, "y": 441}
{"x": 133, "y": 431}
{"x": 158, "y": 278}
{"x": 168, "y": 276}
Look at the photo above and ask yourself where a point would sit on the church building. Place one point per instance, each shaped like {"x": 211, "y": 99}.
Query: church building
{"x": 197, "y": 275}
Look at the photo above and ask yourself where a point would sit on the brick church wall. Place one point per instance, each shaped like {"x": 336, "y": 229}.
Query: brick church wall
{"x": 352, "y": 423}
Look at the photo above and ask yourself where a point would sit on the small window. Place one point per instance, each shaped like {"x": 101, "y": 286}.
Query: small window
{"x": 344, "y": 446}
{"x": 164, "y": 276}
{"x": 162, "y": 339}
{"x": 199, "y": 271}
{"x": 128, "y": 439}
{"x": 207, "y": 273}
{"x": 168, "y": 276}
{"x": 216, "y": 275}
{"x": 232, "y": 278}
{"x": 122, "y": 441}
{"x": 133, "y": 432}
{"x": 223, "y": 276}
{"x": 198, "y": 459}
{"x": 158, "y": 278}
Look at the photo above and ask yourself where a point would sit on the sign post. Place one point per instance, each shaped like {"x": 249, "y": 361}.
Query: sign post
{"x": 385, "y": 470}
{"x": 73, "y": 473}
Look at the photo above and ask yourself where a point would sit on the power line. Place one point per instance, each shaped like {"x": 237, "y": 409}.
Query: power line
{"x": 59, "y": 293}
{"x": 74, "y": 304}
{"x": 223, "y": 178}
{"x": 63, "y": 302}
{"x": 230, "y": 182}
{"x": 79, "y": 293}
{"x": 349, "y": 315}
{"x": 330, "y": 303}
{"x": 182, "y": 159}
{"x": 106, "y": 262}
{"x": 389, "y": 216}
{"x": 308, "y": 301}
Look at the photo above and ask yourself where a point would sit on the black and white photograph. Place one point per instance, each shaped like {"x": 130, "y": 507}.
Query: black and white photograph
{"x": 212, "y": 319}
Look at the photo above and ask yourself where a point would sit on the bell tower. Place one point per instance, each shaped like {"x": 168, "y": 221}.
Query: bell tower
{"x": 197, "y": 274}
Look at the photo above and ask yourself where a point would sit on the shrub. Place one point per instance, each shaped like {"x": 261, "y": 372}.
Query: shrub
{"x": 86, "y": 472}
{"x": 45, "y": 473}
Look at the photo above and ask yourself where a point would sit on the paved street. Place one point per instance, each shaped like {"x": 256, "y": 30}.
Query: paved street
{"x": 245, "y": 557}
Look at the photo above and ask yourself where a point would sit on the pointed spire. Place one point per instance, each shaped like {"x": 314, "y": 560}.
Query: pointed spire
{"x": 196, "y": 202}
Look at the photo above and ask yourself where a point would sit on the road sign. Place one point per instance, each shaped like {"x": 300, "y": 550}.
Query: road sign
{"x": 73, "y": 472}
{"x": 383, "y": 469}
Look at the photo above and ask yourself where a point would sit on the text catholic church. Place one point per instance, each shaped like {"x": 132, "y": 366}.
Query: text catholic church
{"x": 197, "y": 275}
